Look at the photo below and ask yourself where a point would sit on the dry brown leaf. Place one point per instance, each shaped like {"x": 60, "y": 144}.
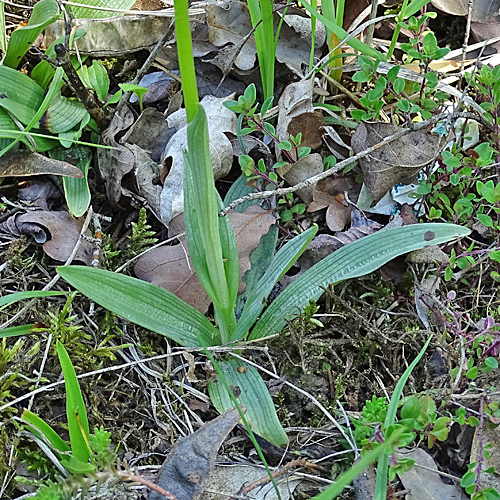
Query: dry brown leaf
{"x": 306, "y": 167}
{"x": 394, "y": 163}
{"x": 296, "y": 114}
{"x": 329, "y": 193}
{"x": 171, "y": 268}
{"x": 21, "y": 163}
{"x": 57, "y": 230}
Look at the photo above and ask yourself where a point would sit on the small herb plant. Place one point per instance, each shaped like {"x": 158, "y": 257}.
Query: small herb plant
{"x": 212, "y": 248}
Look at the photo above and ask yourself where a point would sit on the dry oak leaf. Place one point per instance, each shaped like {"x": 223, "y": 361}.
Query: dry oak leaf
{"x": 394, "y": 163}
{"x": 170, "y": 266}
{"x": 21, "y": 163}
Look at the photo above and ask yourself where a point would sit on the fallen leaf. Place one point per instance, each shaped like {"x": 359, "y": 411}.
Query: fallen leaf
{"x": 306, "y": 167}
{"x": 22, "y": 163}
{"x": 189, "y": 463}
{"x": 394, "y": 163}
{"x": 229, "y": 480}
{"x": 485, "y": 16}
{"x": 296, "y": 114}
{"x": 221, "y": 121}
{"x": 171, "y": 268}
{"x": 57, "y": 230}
{"x": 425, "y": 484}
{"x": 329, "y": 193}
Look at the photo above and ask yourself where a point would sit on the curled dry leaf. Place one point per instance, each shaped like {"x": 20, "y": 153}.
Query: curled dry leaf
{"x": 296, "y": 114}
{"x": 394, "y": 163}
{"x": 57, "y": 230}
{"x": 221, "y": 121}
{"x": 171, "y": 268}
{"x": 192, "y": 459}
{"x": 22, "y": 163}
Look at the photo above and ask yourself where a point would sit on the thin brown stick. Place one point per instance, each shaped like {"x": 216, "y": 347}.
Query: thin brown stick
{"x": 339, "y": 166}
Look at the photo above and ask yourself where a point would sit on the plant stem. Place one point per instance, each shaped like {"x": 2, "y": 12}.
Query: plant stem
{"x": 186, "y": 60}
{"x": 395, "y": 36}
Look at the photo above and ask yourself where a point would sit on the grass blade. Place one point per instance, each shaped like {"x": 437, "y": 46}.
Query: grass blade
{"x": 78, "y": 424}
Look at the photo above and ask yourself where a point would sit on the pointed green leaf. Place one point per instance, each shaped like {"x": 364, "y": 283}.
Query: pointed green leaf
{"x": 16, "y": 331}
{"x": 76, "y": 191}
{"x": 143, "y": 303}
{"x": 351, "y": 261}
{"x": 215, "y": 269}
{"x": 14, "y": 297}
{"x": 78, "y": 424}
{"x": 253, "y": 394}
{"x": 41, "y": 428}
{"x": 63, "y": 114}
{"x": 280, "y": 264}
{"x": 44, "y": 13}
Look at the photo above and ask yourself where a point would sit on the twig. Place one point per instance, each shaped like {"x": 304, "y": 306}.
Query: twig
{"x": 339, "y": 166}
{"x": 371, "y": 28}
{"x": 467, "y": 35}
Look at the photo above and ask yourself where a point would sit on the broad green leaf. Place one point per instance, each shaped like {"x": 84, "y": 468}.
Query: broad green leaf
{"x": 76, "y": 466}
{"x": 42, "y": 428}
{"x": 280, "y": 264}
{"x": 97, "y": 77}
{"x": 78, "y": 424}
{"x": 254, "y": 395}
{"x": 85, "y": 12}
{"x": 16, "y": 331}
{"x": 260, "y": 259}
{"x": 19, "y": 94}
{"x": 217, "y": 270}
{"x": 46, "y": 103}
{"x": 44, "y": 13}
{"x": 14, "y": 297}
{"x": 341, "y": 34}
{"x": 76, "y": 191}
{"x": 63, "y": 114}
{"x": 355, "y": 259}
{"x": 143, "y": 303}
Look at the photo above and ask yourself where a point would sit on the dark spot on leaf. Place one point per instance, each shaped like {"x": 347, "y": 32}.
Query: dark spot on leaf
{"x": 3, "y": 96}
{"x": 429, "y": 236}
{"x": 236, "y": 390}
{"x": 242, "y": 369}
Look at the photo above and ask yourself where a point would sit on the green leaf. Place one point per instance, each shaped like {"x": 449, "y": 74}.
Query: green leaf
{"x": 86, "y": 12}
{"x": 341, "y": 33}
{"x": 411, "y": 408}
{"x": 78, "y": 424}
{"x": 486, "y": 220}
{"x": 16, "y": 331}
{"x": 19, "y": 95}
{"x": 44, "y": 13}
{"x": 218, "y": 271}
{"x": 41, "y": 428}
{"x": 143, "y": 303}
{"x": 351, "y": 261}
{"x": 281, "y": 263}
{"x": 63, "y": 114}
{"x": 97, "y": 77}
{"x": 14, "y": 297}
{"x": 253, "y": 394}
{"x": 260, "y": 259}
{"x": 76, "y": 191}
